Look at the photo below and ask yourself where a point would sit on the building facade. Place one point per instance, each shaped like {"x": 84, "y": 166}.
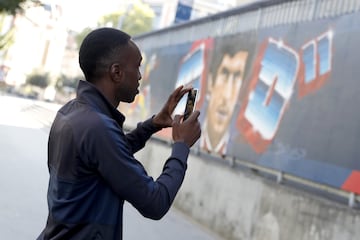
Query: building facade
{"x": 38, "y": 43}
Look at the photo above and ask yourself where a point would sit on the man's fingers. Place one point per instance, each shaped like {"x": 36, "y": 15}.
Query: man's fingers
{"x": 178, "y": 90}
{"x": 177, "y": 119}
{"x": 185, "y": 90}
{"x": 193, "y": 116}
{"x": 176, "y": 93}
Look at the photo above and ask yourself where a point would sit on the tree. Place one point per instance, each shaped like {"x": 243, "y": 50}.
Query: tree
{"x": 41, "y": 80}
{"x": 80, "y": 36}
{"x": 7, "y": 7}
{"x": 65, "y": 82}
{"x": 135, "y": 20}
{"x": 6, "y": 38}
{"x": 10, "y": 6}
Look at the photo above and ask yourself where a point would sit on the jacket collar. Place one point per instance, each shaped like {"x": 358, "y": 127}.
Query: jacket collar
{"x": 87, "y": 92}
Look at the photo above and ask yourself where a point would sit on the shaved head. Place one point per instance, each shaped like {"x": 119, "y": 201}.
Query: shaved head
{"x": 98, "y": 50}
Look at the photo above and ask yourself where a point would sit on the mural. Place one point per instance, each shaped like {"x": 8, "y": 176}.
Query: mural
{"x": 281, "y": 97}
{"x": 231, "y": 57}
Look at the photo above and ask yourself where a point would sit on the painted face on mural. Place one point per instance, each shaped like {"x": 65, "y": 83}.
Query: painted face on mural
{"x": 224, "y": 89}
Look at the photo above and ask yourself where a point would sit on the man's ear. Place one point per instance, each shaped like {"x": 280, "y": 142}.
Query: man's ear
{"x": 116, "y": 72}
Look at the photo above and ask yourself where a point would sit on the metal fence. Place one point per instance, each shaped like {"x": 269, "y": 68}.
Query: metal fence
{"x": 250, "y": 17}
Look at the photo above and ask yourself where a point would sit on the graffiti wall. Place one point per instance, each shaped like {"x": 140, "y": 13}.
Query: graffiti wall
{"x": 284, "y": 97}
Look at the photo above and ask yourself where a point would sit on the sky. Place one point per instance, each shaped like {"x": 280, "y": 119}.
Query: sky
{"x": 80, "y": 14}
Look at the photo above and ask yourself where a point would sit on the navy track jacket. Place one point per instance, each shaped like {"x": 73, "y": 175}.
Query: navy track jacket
{"x": 93, "y": 170}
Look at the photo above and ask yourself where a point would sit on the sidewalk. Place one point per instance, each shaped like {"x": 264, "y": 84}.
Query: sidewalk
{"x": 24, "y": 180}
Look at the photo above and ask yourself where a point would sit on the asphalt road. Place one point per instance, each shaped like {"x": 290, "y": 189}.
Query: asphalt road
{"x": 24, "y": 126}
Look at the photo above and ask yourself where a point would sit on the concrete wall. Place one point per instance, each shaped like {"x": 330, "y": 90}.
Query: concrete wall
{"x": 309, "y": 127}
{"x": 238, "y": 204}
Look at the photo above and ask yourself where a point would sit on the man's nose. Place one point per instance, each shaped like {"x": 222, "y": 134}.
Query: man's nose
{"x": 228, "y": 86}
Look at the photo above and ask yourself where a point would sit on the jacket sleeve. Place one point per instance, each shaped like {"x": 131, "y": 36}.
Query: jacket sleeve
{"x": 127, "y": 177}
{"x": 138, "y": 137}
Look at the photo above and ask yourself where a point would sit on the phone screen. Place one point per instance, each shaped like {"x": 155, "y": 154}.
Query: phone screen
{"x": 190, "y": 103}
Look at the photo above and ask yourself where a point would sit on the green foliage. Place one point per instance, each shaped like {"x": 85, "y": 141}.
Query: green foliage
{"x": 10, "y": 6}
{"x": 80, "y": 37}
{"x": 135, "y": 20}
{"x": 6, "y": 38}
{"x": 67, "y": 82}
{"x": 41, "y": 80}
{"x": 112, "y": 19}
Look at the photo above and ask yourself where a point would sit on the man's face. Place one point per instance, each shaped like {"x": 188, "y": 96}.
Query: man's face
{"x": 224, "y": 91}
{"x": 129, "y": 87}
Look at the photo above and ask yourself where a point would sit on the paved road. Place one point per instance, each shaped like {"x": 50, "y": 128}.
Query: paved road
{"x": 24, "y": 126}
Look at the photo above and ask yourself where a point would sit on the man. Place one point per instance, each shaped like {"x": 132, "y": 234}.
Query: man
{"x": 224, "y": 86}
{"x": 90, "y": 159}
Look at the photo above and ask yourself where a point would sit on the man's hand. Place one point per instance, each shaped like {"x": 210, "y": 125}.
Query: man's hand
{"x": 188, "y": 131}
{"x": 163, "y": 119}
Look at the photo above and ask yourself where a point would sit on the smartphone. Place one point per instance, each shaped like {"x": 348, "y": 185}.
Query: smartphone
{"x": 190, "y": 103}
